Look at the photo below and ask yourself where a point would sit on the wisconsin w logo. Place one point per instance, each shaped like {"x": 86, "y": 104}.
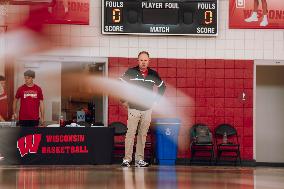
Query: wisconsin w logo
{"x": 28, "y": 144}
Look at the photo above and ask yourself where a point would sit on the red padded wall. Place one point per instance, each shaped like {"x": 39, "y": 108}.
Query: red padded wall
{"x": 216, "y": 87}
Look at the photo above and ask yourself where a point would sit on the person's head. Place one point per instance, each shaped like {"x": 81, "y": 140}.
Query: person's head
{"x": 29, "y": 77}
{"x": 2, "y": 81}
{"x": 143, "y": 60}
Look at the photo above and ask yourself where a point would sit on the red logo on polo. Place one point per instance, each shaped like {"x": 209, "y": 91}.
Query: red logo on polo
{"x": 28, "y": 144}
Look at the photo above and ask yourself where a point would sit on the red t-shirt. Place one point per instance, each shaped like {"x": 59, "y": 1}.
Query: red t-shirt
{"x": 30, "y": 100}
{"x": 4, "y": 105}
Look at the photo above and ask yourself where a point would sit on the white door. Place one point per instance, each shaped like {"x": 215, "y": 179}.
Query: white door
{"x": 269, "y": 114}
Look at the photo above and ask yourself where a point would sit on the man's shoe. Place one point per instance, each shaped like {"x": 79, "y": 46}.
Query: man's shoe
{"x": 252, "y": 18}
{"x": 264, "y": 21}
{"x": 141, "y": 163}
{"x": 125, "y": 163}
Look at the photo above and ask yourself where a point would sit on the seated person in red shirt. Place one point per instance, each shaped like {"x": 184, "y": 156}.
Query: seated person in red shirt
{"x": 31, "y": 102}
{"x": 3, "y": 100}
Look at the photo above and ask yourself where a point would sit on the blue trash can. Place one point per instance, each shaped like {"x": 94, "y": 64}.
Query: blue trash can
{"x": 166, "y": 133}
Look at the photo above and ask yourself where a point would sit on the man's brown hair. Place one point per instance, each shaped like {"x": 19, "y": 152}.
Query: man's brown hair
{"x": 2, "y": 78}
{"x": 29, "y": 73}
{"x": 144, "y": 52}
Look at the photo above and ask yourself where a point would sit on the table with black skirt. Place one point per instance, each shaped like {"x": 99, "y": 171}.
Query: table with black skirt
{"x": 56, "y": 145}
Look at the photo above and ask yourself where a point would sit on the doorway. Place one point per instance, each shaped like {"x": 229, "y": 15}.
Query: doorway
{"x": 79, "y": 94}
{"x": 269, "y": 119}
{"x": 64, "y": 95}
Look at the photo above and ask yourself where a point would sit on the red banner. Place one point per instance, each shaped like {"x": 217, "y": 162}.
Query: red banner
{"x": 256, "y": 14}
{"x": 69, "y": 12}
{"x": 30, "y": 2}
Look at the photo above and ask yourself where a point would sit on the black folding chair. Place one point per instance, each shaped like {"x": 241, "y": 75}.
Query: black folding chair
{"x": 201, "y": 150}
{"x": 120, "y": 130}
{"x": 227, "y": 149}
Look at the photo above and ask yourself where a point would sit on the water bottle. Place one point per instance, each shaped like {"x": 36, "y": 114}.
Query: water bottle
{"x": 61, "y": 121}
{"x": 13, "y": 122}
{"x": 225, "y": 138}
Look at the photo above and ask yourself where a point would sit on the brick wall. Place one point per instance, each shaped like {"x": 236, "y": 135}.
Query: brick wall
{"x": 216, "y": 87}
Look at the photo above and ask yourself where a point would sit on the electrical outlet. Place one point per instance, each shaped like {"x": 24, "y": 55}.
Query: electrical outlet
{"x": 240, "y": 3}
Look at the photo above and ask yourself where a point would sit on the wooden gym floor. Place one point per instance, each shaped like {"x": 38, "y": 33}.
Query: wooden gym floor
{"x": 161, "y": 177}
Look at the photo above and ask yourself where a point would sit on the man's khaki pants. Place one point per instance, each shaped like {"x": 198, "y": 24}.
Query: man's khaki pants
{"x": 137, "y": 120}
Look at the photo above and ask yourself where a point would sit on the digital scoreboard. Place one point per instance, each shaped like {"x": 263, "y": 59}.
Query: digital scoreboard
{"x": 160, "y": 17}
